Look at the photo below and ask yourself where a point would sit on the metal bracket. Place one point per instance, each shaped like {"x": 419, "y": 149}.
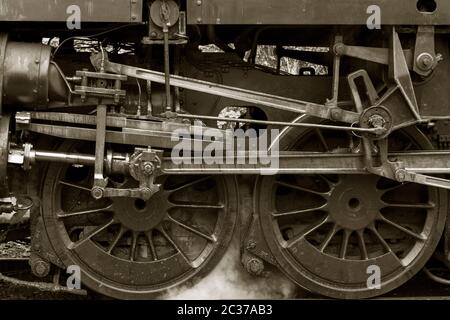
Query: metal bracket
{"x": 392, "y": 170}
{"x": 425, "y": 57}
{"x": 396, "y": 171}
{"x": 336, "y": 75}
{"x": 370, "y": 89}
{"x": 100, "y": 181}
{"x": 402, "y": 76}
{"x": 144, "y": 166}
{"x": 176, "y": 29}
{"x": 372, "y": 54}
{"x": 100, "y": 85}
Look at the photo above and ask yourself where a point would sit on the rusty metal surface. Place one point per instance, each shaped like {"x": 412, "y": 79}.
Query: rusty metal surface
{"x": 56, "y": 10}
{"x": 313, "y": 12}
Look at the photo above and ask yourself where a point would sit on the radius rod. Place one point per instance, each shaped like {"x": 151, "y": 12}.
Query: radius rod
{"x": 281, "y": 103}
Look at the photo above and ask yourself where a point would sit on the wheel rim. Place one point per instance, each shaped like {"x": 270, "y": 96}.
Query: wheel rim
{"x": 129, "y": 248}
{"x": 327, "y": 231}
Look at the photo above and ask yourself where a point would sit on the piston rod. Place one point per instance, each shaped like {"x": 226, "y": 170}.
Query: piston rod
{"x": 71, "y": 158}
{"x": 425, "y": 162}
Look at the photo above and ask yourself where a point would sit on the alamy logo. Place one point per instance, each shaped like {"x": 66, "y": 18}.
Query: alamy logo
{"x": 74, "y": 18}
{"x": 74, "y": 280}
{"x": 208, "y": 146}
{"x": 374, "y": 20}
{"x": 374, "y": 280}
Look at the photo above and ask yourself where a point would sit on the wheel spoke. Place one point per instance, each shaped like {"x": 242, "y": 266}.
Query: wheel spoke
{"x": 331, "y": 184}
{"x": 174, "y": 245}
{"x": 394, "y": 187}
{"x": 322, "y": 140}
{"x": 93, "y": 233}
{"x": 291, "y": 213}
{"x": 62, "y": 214}
{"x": 117, "y": 239}
{"x": 385, "y": 244}
{"x": 211, "y": 238}
{"x": 189, "y": 184}
{"x": 362, "y": 245}
{"x": 411, "y": 206}
{"x": 75, "y": 186}
{"x": 403, "y": 229}
{"x": 344, "y": 243}
{"x": 197, "y": 206}
{"x": 306, "y": 232}
{"x": 134, "y": 239}
{"x": 295, "y": 187}
{"x": 409, "y": 146}
{"x": 149, "y": 236}
{"x": 380, "y": 238}
{"x": 329, "y": 237}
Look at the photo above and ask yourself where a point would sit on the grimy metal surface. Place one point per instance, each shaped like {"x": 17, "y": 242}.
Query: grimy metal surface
{"x": 57, "y": 10}
{"x": 313, "y": 12}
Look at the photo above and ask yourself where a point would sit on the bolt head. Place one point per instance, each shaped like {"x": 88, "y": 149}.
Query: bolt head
{"x": 400, "y": 175}
{"x": 339, "y": 49}
{"x": 255, "y": 266}
{"x": 251, "y": 245}
{"x": 336, "y": 114}
{"x": 41, "y": 268}
{"x": 425, "y": 61}
{"x": 377, "y": 121}
{"x": 97, "y": 193}
{"x": 148, "y": 168}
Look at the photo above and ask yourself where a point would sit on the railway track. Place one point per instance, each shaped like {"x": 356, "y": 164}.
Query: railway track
{"x": 16, "y": 283}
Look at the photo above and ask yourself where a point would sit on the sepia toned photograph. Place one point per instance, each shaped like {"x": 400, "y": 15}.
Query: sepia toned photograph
{"x": 225, "y": 157}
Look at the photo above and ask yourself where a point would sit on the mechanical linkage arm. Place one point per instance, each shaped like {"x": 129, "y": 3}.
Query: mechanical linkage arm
{"x": 395, "y": 109}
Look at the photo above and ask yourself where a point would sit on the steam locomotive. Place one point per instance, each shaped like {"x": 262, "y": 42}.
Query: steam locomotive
{"x": 92, "y": 91}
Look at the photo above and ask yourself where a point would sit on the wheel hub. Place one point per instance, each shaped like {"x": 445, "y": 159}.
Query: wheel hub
{"x": 354, "y": 203}
{"x": 141, "y": 215}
